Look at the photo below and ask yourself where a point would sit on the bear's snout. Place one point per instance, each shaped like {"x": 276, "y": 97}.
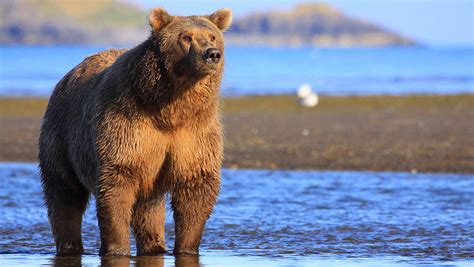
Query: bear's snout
{"x": 212, "y": 55}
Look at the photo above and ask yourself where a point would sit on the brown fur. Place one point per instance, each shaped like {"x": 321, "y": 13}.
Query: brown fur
{"x": 131, "y": 126}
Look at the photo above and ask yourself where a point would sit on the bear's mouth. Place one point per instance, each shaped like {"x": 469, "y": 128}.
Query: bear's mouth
{"x": 197, "y": 67}
{"x": 208, "y": 71}
{"x": 209, "y": 67}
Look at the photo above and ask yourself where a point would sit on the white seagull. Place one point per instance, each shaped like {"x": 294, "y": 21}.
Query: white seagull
{"x": 306, "y": 96}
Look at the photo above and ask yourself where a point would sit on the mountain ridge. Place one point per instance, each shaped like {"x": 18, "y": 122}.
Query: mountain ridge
{"x": 311, "y": 24}
{"x": 108, "y": 22}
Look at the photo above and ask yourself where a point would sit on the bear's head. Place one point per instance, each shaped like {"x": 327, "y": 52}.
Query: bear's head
{"x": 191, "y": 46}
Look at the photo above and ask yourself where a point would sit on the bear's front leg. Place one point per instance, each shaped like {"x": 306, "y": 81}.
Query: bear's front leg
{"x": 193, "y": 202}
{"x": 115, "y": 199}
{"x": 148, "y": 223}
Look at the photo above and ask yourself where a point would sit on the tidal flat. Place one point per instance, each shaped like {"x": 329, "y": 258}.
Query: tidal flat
{"x": 419, "y": 133}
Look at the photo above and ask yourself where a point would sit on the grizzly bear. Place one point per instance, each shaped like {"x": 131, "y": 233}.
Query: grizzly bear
{"x": 132, "y": 126}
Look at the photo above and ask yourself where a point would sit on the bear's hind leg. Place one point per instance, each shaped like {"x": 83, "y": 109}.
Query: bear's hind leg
{"x": 148, "y": 222}
{"x": 66, "y": 200}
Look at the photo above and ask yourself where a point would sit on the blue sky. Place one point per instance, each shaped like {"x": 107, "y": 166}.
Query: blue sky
{"x": 432, "y": 22}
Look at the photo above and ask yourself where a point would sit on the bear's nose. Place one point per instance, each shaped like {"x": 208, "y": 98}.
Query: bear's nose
{"x": 213, "y": 55}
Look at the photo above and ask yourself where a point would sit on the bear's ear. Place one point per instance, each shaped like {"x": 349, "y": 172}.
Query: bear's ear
{"x": 221, "y": 18}
{"x": 159, "y": 18}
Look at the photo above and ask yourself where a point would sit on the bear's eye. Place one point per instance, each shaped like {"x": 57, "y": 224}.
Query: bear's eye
{"x": 187, "y": 38}
{"x": 213, "y": 38}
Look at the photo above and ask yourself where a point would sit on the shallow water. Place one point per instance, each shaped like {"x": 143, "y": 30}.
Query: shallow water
{"x": 34, "y": 70}
{"x": 289, "y": 218}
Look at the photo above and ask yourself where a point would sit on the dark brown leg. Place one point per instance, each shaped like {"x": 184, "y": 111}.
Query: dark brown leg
{"x": 115, "y": 200}
{"x": 66, "y": 200}
{"x": 192, "y": 204}
{"x": 148, "y": 222}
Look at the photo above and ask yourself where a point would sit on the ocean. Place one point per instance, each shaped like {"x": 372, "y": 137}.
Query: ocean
{"x": 34, "y": 70}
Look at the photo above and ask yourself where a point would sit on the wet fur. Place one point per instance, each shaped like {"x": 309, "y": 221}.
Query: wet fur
{"x": 124, "y": 126}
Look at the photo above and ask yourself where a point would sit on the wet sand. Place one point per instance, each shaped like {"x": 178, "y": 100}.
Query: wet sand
{"x": 379, "y": 133}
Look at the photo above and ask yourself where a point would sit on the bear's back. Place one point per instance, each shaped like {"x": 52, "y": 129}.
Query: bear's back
{"x": 87, "y": 70}
{"x": 76, "y": 91}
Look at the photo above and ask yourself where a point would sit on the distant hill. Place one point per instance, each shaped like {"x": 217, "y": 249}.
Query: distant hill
{"x": 311, "y": 24}
{"x": 71, "y": 22}
{"x": 109, "y": 22}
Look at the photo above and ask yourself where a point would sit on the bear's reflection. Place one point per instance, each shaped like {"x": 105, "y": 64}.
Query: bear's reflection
{"x": 66, "y": 261}
{"x": 148, "y": 261}
{"x": 117, "y": 261}
{"x": 182, "y": 261}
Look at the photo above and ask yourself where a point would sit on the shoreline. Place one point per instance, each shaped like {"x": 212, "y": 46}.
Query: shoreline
{"x": 409, "y": 133}
{"x": 26, "y": 164}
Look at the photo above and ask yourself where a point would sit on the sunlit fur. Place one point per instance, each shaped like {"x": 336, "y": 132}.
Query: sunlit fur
{"x": 131, "y": 126}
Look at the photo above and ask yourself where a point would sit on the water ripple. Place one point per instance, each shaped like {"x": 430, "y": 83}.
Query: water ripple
{"x": 289, "y": 213}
